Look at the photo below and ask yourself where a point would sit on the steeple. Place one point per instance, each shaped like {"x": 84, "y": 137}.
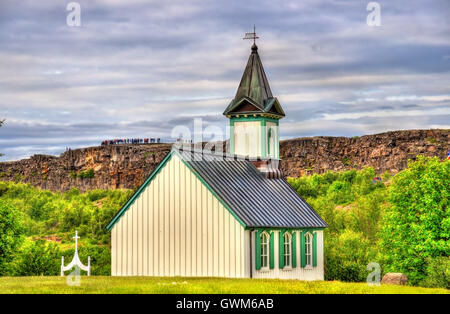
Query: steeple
{"x": 254, "y": 95}
{"x": 254, "y": 112}
{"x": 254, "y": 84}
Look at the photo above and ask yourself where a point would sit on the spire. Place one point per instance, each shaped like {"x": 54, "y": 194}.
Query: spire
{"x": 254, "y": 95}
{"x": 254, "y": 84}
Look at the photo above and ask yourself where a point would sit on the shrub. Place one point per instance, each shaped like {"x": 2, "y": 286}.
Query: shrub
{"x": 39, "y": 258}
{"x": 347, "y": 256}
{"x": 86, "y": 174}
{"x": 438, "y": 273}
{"x": 416, "y": 226}
{"x": 11, "y": 232}
{"x": 340, "y": 192}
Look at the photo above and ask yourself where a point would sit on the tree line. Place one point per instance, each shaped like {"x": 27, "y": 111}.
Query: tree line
{"x": 401, "y": 222}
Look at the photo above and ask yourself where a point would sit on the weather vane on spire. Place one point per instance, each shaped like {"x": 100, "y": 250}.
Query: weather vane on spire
{"x": 252, "y": 35}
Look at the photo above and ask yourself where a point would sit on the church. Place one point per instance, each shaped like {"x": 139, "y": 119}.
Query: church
{"x": 223, "y": 215}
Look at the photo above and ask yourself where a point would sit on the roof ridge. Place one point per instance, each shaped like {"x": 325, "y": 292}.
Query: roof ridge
{"x": 227, "y": 155}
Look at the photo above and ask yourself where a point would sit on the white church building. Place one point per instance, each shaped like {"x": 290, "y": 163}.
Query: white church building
{"x": 233, "y": 215}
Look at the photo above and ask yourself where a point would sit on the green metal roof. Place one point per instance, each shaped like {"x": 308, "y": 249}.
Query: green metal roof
{"x": 253, "y": 199}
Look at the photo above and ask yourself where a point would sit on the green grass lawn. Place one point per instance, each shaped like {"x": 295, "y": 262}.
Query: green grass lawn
{"x": 180, "y": 285}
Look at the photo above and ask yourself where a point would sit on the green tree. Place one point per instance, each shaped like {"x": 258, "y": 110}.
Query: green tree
{"x": 11, "y": 232}
{"x": 347, "y": 256}
{"x": 438, "y": 273}
{"x": 39, "y": 258}
{"x": 416, "y": 227}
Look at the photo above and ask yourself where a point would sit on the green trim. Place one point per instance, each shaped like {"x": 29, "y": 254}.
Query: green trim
{"x": 302, "y": 250}
{"x": 313, "y": 244}
{"x": 290, "y": 229}
{"x": 314, "y": 249}
{"x": 258, "y": 118}
{"x": 150, "y": 179}
{"x": 294, "y": 249}
{"x": 263, "y": 139}
{"x": 258, "y": 249}
{"x": 212, "y": 191}
{"x": 281, "y": 248}
{"x": 235, "y": 104}
{"x": 138, "y": 192}
{"x": 272, "y": 253}
{"x": 274, "y": 102}
{"x": 278, "y": 142}
{"x": 231, "y": 137}
{"x": 263, "y": 134}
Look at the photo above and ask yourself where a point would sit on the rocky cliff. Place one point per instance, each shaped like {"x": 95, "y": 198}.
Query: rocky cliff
{"x": 388, "y": 151}
{"x": 126, "y": 166}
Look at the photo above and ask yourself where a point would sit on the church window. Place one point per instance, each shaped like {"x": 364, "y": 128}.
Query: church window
{"x": 287, "y": 249}
{"x": 308, "y": 249}
{"x": 264, "y": 250}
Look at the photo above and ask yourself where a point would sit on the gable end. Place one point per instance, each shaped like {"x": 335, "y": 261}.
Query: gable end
{"x": 152, "y": 176}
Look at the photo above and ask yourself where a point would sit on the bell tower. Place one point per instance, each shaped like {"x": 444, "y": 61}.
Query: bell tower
{"x": 254, "y": 113}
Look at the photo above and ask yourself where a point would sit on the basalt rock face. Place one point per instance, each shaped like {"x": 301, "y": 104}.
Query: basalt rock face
{"x": 388, "y": 151}
{"x": 113, "y": 166}
{"x": 127, "y": 166}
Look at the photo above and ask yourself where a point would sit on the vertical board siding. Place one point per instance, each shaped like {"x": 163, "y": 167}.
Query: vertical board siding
{"x": 241, "y": 147}
{"x": 177, "y": 227}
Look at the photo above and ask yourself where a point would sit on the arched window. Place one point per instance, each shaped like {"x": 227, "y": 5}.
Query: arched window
{"x": 308, "y": 249}
{"x": 287, "y": 250}
{"x": 264, "y": 237}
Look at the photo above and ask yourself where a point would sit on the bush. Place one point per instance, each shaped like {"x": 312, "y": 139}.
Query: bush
{"x": 39, "y": 258}
{"x": 438, "y": 273}
{"x": 86, "y": 174}
{"x": 340, "y": 192}
{"x": 416, "y": 227}
{"x": 11, "y": 232}
{"x": 347, "y": 257}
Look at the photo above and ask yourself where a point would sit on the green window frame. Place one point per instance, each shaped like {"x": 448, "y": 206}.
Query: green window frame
{"x": 294, "y": 249}
{"x": 286, "y": 255}
{"x": 283, "y": 256}
{"x": 257, "y": 250}
{"x": 308, "y": 247}
{"x": 264, "y": 250}
{"x": 272, "y": 255}
{"x": 314, "y": 249}
{"x": 281, "y": 249}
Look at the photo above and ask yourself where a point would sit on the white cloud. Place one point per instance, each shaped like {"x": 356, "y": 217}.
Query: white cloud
{"x": 144, "y": 66}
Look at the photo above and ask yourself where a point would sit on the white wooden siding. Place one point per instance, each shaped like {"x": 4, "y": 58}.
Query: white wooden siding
{"x": 176, "y": 227}
{"x": 252, "y": 147}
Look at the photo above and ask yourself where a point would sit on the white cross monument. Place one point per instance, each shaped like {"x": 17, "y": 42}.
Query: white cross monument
{"x": 76, "y": 260}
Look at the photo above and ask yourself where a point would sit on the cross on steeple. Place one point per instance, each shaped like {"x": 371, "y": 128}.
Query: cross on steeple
{"x": 252, "y": 35}
{"x": 76, "y": 237}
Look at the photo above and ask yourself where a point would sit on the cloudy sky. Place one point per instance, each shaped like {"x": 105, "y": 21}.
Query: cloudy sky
{"x": 138, "y": 68}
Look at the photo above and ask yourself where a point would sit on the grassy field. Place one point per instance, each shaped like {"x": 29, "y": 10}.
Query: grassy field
{"x": 180, "y": 285}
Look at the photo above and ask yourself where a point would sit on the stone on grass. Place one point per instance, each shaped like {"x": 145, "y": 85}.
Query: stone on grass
{"x": 394, "y": 279}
